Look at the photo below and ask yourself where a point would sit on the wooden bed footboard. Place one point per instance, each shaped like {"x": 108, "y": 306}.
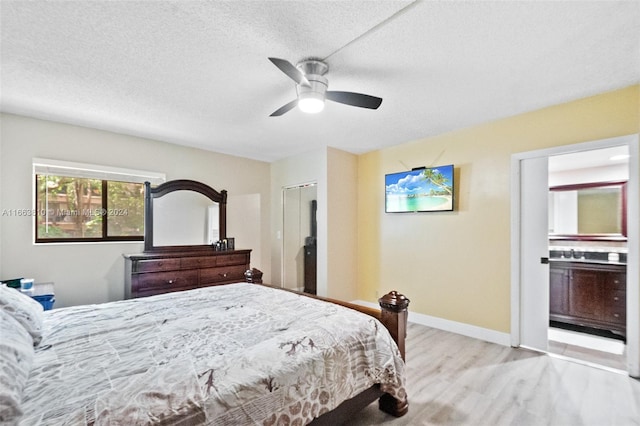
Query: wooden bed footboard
{"x": 393, "y": 315}
{"x": 393, "y": 312}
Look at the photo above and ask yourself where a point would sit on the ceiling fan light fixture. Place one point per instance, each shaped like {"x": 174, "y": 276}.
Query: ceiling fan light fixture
{"x": 311, "y": 102}
{"x": 311, "y": 86}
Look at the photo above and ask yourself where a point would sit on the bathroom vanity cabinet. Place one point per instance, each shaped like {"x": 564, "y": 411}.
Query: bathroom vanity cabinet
{"x": 588, "y": 294}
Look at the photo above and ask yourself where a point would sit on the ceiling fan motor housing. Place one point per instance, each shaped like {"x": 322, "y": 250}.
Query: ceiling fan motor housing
{"x": 314, "y": 71}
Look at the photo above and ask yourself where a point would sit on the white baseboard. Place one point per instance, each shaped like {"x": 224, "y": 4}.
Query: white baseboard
{"x": 468, "y": 330}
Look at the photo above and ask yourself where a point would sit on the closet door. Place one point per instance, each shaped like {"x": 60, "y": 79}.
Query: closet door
{"x": 297, "y": 227}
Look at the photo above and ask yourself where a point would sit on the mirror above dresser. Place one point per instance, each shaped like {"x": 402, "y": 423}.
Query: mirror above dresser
{"x": 183, "y": 214}
{"x": 183, "y": 218}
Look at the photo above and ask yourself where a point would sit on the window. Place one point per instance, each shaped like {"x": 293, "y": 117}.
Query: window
{"x": 87, "y": 203}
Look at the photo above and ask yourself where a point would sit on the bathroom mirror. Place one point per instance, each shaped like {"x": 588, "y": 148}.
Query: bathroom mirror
{"x": 183, "y": 215}
{"x": 593, "y": 211}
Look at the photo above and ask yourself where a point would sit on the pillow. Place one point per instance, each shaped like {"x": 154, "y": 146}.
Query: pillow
{"x": 24, "y": 309}
{"x": 16, "y": 357}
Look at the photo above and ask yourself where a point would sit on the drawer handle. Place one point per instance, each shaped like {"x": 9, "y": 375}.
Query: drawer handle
{"x": 223, "y": 275}
{"x": 616, "y": 298}
{"x": 616, "y": 281}
{"x": 170, "y": 281}
{"x": 616, "y": 315}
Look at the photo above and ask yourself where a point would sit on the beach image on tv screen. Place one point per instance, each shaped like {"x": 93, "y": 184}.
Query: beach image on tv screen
{"x": 429, "y": 189}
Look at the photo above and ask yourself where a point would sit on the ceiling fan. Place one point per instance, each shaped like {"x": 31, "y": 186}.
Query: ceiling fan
{"x": 311, "y": 86}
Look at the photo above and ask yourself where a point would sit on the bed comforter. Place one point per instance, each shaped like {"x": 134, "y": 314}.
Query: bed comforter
{"x": 237, "y": 354}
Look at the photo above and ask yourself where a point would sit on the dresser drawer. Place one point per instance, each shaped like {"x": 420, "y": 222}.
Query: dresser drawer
{"x": 617, "y": 280}
{"x": 618, "y": 299}
{"x": 222, "y": 274}
{"x": 198, "y": 262}
{"x": 155, "y": 273}
{"x": 154, "y": 265}
{"x": 617, "y": 316}
{"x": 179, "y": 280}
{"x": 615, "y": 308}
{"x": 232, "y": 259}
{"x": 145, "y": 292}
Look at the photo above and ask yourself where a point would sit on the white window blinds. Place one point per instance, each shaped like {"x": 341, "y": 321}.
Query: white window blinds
{"x": 45, "y": 167}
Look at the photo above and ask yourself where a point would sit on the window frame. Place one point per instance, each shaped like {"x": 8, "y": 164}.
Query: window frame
{"x": 106, "y": 175}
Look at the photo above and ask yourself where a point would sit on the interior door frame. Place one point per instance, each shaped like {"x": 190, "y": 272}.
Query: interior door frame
{"x": 633, "y": 239}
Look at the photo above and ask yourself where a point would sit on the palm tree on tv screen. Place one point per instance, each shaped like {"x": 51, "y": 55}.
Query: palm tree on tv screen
{"x": 438, "y": 179}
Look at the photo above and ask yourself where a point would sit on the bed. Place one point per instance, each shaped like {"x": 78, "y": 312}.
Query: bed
{"x": 234, "y": 354}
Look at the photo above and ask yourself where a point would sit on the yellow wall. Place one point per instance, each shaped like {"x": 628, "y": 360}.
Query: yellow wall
{"x": 455, "y": 265}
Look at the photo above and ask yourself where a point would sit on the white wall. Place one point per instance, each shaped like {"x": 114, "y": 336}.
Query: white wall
{"x": 305, "y": 168}
{"x": 244, "y": 223}
{"x": 336, "y": 173}
{"x": 93, "y": 273}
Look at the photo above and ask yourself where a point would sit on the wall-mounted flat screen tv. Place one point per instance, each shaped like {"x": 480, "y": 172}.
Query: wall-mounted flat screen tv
{"x": 428, "y": 189}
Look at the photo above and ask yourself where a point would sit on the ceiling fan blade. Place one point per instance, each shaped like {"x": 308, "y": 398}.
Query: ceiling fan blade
{"x": 289, "y": 69}
{"x": 354, "y": 99}
{"x": 286, "y": 108}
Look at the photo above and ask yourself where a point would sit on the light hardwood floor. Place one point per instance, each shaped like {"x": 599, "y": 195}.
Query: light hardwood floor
{"x": 457, "y": 380}
{"x": 564, "y": 343}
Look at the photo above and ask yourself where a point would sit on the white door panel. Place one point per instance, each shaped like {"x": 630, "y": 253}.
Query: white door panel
{"x": 534, "y": 246}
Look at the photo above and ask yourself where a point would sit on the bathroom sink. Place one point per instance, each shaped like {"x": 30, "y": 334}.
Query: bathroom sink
{"x": 587, "y": 255}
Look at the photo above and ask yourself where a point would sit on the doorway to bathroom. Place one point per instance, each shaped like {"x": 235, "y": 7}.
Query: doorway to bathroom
{"x": 532, "y": 262}
{"x": 588, "y": 255}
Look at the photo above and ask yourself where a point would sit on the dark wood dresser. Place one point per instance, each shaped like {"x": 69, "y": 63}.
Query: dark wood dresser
{"x": 147, "y": 274}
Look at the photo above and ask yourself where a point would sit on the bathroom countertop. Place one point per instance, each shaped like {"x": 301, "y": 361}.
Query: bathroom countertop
{"x": 588, "y": 261}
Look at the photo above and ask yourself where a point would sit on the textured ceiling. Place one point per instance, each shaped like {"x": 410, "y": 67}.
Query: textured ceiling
{"x": 196, "y": 72}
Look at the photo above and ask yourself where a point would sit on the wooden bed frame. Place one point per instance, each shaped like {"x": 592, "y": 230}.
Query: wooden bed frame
{"x": 393, "y": 315}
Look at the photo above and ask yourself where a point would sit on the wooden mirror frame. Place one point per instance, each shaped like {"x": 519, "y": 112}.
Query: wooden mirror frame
{"x": 596, "y": 237}
{"x": 180, "y": 185}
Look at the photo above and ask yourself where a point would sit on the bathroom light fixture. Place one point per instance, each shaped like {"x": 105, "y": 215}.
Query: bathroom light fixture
{"x": 619, "y": 157}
